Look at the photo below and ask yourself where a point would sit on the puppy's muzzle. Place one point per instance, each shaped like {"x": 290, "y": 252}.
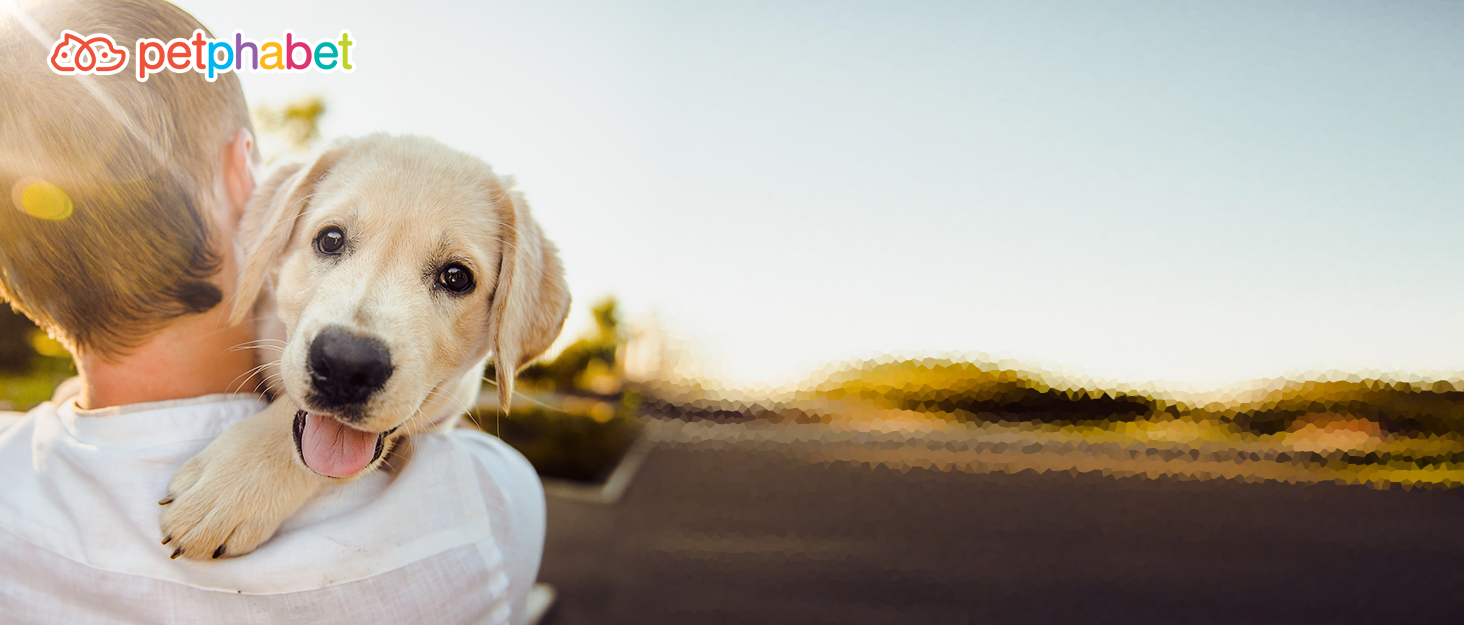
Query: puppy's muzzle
{"x": 346, "y": 369}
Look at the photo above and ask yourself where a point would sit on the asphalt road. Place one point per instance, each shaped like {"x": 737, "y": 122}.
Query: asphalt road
{"x": 733, "y": 535}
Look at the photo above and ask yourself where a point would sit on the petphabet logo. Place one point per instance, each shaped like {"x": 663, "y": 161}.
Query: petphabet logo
{"x": 99, "y": 54}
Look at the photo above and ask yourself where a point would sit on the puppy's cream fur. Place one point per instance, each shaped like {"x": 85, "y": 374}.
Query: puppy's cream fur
{"x": 408, "y": 206}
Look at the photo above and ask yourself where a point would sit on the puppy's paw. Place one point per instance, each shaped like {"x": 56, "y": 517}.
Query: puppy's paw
{"x": 232, "y": 497}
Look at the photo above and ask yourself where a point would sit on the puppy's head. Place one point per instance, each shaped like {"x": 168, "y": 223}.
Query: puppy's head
{"x": 397, "y": 265}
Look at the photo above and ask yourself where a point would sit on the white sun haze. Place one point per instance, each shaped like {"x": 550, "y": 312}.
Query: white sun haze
{"x": 1141, "y": 191}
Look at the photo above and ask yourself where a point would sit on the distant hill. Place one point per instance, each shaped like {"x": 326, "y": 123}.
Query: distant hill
{"x": 944, "y": 386}
{"x": 984, "y": 391}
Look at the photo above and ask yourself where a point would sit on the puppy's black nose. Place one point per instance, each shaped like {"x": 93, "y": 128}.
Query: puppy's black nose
{"x": 347, "y": 368}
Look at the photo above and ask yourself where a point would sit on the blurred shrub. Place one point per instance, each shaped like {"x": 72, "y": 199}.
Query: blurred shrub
{"x": 16, "y": 353}
{"x": 31, "y": 363}
{"x": 588, "y": 366}
{"x": 573, "y": 416}
{"x": 1412, "y": 407}
{"x": 582, "y": 442}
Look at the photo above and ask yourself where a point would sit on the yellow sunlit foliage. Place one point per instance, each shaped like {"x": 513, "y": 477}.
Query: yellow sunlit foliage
{"x": 296, "y": 122}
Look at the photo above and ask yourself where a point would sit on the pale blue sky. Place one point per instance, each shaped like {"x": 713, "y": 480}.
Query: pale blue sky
{"x": 1143, "y": 190}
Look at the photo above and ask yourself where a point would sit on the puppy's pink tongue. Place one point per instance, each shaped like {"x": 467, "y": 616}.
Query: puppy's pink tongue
{"x": 331, "y": 448}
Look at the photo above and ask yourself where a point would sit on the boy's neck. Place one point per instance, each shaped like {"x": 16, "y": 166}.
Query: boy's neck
{"x": 195, "y": 356}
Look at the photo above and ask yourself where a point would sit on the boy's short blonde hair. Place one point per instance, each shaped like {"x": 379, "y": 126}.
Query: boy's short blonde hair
{"x": 106, "y": 183}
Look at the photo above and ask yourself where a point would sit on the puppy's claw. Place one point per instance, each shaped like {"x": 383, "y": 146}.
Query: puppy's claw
{"x": 166, "y": 500}
{"x": 218, "y": 552}
{"x": 168, "y": 539}
{"x": 176, "y": 552}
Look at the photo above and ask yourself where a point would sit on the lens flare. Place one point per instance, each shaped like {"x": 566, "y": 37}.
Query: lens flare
{"x": 41, "y": 199}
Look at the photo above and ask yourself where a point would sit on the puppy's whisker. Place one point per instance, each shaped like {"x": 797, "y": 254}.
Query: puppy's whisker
{"x": 240, "y": 348}
{"x": 434, "y": 393}
{"x": 505, "y": 242}
{"x": 476, "y": 422}
{"x": 274, "y": 380}
{"x": 279, "y": 341}
{"x": 217, "y": 331}
{"x": 526, "y": 398}
{"x": 299, "y": 214}
{"x": 451, "y": 395}
{"x": 250, "y": 375}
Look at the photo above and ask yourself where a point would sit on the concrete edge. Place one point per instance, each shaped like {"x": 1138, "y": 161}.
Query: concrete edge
{"x": 613, "y": 488}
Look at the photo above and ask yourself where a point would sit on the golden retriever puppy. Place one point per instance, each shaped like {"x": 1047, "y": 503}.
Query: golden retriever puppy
{"x": 389, "y": 269}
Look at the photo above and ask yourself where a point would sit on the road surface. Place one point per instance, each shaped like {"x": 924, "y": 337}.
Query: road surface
{"x": 715, "y": 533}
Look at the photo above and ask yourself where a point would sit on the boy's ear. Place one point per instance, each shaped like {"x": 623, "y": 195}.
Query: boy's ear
{"x": 239, "y": 172}
{"x": 269, "y": 220}
{"x": 531, "y": 298}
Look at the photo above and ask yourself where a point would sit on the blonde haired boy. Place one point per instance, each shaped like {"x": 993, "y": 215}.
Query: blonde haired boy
{"x": 119, "y": 203}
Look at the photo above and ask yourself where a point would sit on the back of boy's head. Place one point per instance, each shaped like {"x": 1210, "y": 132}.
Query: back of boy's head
{"x": 107, "y": 183}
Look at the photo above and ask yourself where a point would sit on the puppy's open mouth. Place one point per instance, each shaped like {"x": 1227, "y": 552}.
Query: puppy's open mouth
{"x": 334, "y": 449}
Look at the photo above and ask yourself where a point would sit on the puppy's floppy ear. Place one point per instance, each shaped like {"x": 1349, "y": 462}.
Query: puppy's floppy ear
{"x": 531, "y": 299}
{"x": 269, "y": 220}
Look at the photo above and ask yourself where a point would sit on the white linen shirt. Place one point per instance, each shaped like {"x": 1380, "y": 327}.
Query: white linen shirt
{"x": 454, "y": 537}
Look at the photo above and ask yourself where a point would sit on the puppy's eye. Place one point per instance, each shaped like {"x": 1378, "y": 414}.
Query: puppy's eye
{"x": 330, "y": 240}
{"x": 456, "y": 278}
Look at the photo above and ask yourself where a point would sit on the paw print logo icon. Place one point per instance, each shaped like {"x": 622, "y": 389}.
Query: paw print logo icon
{"x": 74, "y": 54}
